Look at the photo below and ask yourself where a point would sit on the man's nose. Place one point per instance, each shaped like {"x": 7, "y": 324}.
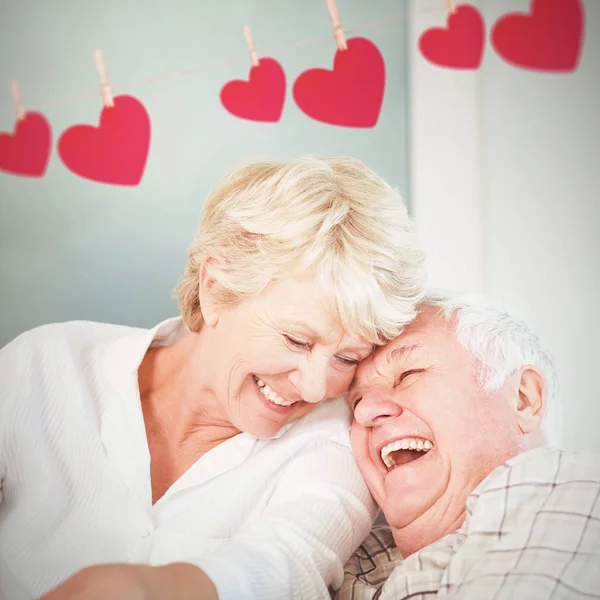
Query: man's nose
{"x": 310, "y": 379}
{"x": 375, "y": 407}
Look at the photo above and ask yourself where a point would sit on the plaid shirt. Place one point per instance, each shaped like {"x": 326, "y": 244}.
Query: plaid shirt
{"x": 532, "y": 532}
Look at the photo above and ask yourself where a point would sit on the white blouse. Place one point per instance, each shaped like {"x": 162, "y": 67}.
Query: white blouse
{"x": 265, "y": 519}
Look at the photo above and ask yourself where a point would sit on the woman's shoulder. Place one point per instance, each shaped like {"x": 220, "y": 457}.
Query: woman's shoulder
{"x": 330, "y": 420}
{"x": 58, "y": 339}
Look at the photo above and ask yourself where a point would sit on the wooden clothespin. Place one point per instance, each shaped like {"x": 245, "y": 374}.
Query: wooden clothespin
{"x": 251, "y": 48}
{"x": 451, "y": 7}
{"x": 107, "y": 96}
{"x": 338, "y": 32}
{"x": 16, "y": 94}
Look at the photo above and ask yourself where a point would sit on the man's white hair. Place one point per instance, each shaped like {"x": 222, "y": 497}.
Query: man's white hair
{"x": 501, "y": 344}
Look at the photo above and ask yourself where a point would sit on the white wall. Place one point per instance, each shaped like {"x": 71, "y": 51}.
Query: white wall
{"x": 445, "y": 159}
{"x": 506, "y": 194}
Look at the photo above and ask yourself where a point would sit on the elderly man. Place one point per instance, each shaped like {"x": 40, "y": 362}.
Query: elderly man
{"x": 447, "y": 434}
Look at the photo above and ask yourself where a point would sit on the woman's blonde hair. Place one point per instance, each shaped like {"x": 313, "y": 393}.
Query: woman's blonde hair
{"x": 331, "y": 216}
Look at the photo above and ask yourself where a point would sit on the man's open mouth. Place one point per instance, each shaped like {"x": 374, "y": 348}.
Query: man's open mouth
{"x": 404, "y": 450}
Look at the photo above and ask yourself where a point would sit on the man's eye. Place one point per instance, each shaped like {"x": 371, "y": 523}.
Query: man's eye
{"x": 296, "y": 343}
{"x": 406, "y": 374}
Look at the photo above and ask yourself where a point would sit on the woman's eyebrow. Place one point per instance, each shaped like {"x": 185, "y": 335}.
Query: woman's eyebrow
{"x": 357, "y": 349}
{"x": 301, "y": 327}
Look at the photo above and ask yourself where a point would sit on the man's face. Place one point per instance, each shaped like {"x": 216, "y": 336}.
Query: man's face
{"x": 421, "y": 390}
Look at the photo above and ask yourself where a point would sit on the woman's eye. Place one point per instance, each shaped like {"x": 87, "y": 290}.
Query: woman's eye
{"x": 343, "y": 363}
{"x": 296, "y": 343}
{"x": 352, "y": 362}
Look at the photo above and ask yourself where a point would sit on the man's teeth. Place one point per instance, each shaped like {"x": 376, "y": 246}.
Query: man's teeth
{"x": 417, "y": 444}
{"x": 270, "y": 394}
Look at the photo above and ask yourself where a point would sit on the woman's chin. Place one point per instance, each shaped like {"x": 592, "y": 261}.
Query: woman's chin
{"x": 261, "y": 428}
{"x": 263, "y": 418}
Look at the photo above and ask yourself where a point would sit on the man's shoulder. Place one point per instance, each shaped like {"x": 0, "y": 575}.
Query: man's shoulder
{"x": 546, "y": 481}
{"x": 370, "y": 565}
{"x": 545, "y": 466}
{"x": 532, "y": 525}
{"x": 379, "y": 541}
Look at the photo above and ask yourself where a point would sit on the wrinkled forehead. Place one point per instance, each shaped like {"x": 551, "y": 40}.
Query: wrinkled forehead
{"x": 429, "y": 333}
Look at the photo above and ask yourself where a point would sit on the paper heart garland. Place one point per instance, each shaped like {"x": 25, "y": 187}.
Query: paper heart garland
{"x": 351, "y": 95}
{"x": 550, "y": 38}
{"x": 458, "y": 46}
{"x": 26, "y": 152}
{"x": 116, "y": 151}
{"x": 261, "y": 98}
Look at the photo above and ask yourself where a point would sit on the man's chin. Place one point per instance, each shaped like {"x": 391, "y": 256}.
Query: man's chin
{"x": 404, "y": 512}
{"x": 409, "y": 495}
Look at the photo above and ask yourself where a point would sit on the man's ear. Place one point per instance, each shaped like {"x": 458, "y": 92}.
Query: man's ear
{"x": 531, "y": 402}
{"x": 208, "y": 292}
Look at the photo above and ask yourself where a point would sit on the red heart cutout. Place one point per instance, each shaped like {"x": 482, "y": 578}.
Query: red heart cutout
{"x": 548, "y": 39}
{"x": 351, "y": 95}
{"x": 460, "y": 45}
{"x": 259, "y": 99}
{"x": 116, "y": 151}
{"x": 27, "y": 150}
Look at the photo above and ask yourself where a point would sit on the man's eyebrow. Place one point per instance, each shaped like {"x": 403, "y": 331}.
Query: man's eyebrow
{"x": 400, "y": 352}
{"x": 390, "y": 357}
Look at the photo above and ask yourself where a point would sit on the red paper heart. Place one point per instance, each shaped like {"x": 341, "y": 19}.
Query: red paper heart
{"x": 259, "y": 99}
{"x": 548, "y": 39}
{"x": 116, "y": 151}
{"x": 460, "y": 45}
{"x": 351, "y": 95}
{"x": 26, "y": 151}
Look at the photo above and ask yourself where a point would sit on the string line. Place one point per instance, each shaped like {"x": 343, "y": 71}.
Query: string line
{"x": 124, "y": 87}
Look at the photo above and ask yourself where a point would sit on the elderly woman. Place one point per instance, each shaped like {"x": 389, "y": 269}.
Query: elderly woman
{"x": 199, "y": 459}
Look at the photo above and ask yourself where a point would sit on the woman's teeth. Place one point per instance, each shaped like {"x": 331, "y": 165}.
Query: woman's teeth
{"x": 270, "y": 394}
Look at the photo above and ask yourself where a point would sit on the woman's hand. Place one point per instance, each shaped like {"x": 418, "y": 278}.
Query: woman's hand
{"x": 177, "y": 581}
{"x": 103, "y": 581}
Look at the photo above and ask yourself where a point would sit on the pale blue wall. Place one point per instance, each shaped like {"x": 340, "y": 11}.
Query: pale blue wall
{"x": 74, "y": 249}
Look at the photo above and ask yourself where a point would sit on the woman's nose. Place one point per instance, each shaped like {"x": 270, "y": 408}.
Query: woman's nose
{"x": 375, "y": 407}
{"x": 310, "y": 379}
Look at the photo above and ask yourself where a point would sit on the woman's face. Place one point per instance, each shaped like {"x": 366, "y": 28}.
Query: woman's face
{"x": 277, "y": 355}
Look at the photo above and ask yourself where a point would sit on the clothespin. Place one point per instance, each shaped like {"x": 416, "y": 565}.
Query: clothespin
{"x": 451, "y": 6}
{"x": 107, "y": 96}
{"x": 16, "y": 94}
{"x": 338, "y": 32}
{"x": 251, "y": 48}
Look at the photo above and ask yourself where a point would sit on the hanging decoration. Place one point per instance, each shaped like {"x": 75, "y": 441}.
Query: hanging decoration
{"x": 458, "y": 46}
{"x": 351, "y": 94}
{"x": 549, "y": 38}
{"x": 117, "y": 150}
{"x": 262, "y": 97}
{"x": 26, "y": 151}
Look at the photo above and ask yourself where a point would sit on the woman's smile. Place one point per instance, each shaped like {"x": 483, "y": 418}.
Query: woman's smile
{"x": 271, "y": 399}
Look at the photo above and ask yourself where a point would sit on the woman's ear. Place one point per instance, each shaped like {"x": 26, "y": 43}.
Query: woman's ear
{"x": 208, "y": 292}
{"x": 531, "y": 402}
